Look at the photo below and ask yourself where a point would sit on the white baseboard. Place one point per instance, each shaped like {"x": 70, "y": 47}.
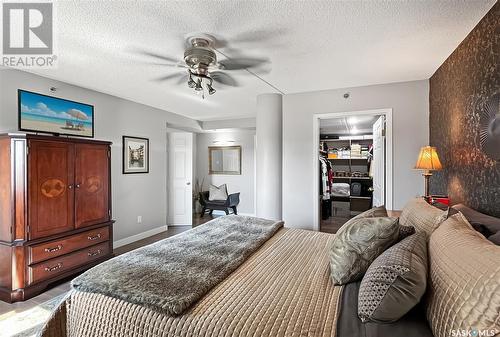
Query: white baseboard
{"x": 223, "y": 213}
{"x": 140, "y": 236}
{"x": 179, "y": 224}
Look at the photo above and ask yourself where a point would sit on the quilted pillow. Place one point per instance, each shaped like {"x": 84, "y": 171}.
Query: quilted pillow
{"x": 464, "y": 282}
{"x": 424, "y": 217}
{"x": 357, "y": 243}
{"x": 395, "y": 282}
{"x": 217, "y": 192}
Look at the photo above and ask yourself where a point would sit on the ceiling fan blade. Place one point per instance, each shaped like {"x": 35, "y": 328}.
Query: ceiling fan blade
{"x": 242, "y": 63}
{"x": 155, "y": 55}
{"x": 168, "y": 77}
{"x": 173, "y": 65}
{"x": 223, "y": 78}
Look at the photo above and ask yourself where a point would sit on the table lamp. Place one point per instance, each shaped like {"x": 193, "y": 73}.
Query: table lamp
{"x": 428, "y": 160}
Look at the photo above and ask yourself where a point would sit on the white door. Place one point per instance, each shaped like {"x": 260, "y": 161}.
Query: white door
{"x": 180, "y": 178}
{"x": 378, "y": 169}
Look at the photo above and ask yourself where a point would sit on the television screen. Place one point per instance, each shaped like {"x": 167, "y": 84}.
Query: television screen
{"x": 41, "y": 113}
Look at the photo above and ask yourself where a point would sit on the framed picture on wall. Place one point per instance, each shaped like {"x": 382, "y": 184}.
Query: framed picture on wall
{"x": 135, "y": 155}
{"x": 224, "y": 160}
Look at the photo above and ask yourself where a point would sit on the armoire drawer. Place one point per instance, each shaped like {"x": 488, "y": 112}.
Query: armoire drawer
{"x": 49, "y": 250}
{"x": 59, "y": 265}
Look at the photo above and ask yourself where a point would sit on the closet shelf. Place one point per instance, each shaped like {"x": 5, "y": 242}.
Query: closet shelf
{"x": 366, "y": 198}
{"x": 354, "y": 178}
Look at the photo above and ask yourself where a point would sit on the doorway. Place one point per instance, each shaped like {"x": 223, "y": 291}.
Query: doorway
{"x": 180, "y": 177}
{"x": 353, "y": 160}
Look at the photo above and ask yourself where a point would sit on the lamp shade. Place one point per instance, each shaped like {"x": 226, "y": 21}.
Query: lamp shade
{"x": 428, "y": 159}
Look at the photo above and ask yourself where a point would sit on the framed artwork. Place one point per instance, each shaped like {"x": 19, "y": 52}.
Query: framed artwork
{"x": 135, "y": 155}
{"x": 224, "y": 160}
{"x": 42, "y": 113}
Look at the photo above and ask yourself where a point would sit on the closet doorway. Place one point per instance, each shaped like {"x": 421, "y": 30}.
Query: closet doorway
{"x": 353, "y": 156}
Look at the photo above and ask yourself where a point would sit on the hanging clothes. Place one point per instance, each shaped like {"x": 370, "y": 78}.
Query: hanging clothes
{"x": 325, "y": 183}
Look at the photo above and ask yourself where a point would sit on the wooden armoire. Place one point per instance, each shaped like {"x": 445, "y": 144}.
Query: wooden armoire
{"x": 55, "y": 210}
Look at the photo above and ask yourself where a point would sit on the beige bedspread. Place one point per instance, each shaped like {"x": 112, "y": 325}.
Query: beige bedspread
{"x": 282, "y": 290}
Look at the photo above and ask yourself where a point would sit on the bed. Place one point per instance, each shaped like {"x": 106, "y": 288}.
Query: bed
{"x": 283, "y": 288}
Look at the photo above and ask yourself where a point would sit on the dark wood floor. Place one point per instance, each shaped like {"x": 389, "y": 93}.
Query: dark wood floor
{"x": 340, "y": 215}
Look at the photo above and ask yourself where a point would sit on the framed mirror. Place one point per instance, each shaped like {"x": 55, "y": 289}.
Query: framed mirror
{"x": 224, "y": 160}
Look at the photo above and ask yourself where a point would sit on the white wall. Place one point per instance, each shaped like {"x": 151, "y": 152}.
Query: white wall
{"x": 244, "y": 183}
{"x": 410, "y": 104}
{"x": 134, "y": 194}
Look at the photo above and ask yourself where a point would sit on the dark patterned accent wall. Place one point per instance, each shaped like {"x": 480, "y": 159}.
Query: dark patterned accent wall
{"x": 465, "y": 119}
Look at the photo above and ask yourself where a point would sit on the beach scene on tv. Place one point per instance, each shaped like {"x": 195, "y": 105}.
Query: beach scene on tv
{"x": 54, "y": 115}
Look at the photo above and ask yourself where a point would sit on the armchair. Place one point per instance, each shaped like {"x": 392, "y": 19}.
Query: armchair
{"x": 221, "y": 205}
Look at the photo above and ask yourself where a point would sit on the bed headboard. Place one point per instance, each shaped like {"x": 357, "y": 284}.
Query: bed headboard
{"x": 463, "y": 91}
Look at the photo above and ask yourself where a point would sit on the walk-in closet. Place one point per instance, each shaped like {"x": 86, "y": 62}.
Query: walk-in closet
{"x": 351, "y": 168}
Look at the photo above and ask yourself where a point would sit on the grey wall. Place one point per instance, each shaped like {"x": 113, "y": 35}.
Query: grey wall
{"x": 133, "y": 195}
{"x": 244, "y": 183}
{"x": 410, "y": 104}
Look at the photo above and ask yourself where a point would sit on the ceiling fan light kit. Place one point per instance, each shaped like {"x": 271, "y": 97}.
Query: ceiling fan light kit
{"x": 203, "y": 68}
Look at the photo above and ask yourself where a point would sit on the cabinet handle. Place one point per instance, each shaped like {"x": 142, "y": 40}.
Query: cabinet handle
{"x": 77, "y": 186}
{"x": 93, "y": 238}
{"x": 54, "y": 249}
{"x": 54, "y": 268}
{"x": 98, "y": 252}
{"x": 70, "y": 187}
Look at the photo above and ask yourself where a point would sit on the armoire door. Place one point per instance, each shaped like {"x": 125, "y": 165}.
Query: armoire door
{"x": 50, "y": 191}
{"x": 92, "y": 185}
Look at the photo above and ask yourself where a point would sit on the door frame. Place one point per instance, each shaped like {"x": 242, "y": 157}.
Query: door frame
{"x": 389, "y": 178}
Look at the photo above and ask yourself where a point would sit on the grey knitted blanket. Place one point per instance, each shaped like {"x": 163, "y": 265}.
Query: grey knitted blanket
{"x": 171, "y": 275}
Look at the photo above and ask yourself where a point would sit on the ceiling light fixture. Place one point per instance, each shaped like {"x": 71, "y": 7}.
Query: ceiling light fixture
{"x": 191, "y": 82}
{"x": 198, "y": 86}
{"x": 211, "y": 90}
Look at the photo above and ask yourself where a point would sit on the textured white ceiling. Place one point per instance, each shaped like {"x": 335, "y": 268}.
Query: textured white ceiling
{"x": 346, "y": 125}
{"x": 311, "y": 45}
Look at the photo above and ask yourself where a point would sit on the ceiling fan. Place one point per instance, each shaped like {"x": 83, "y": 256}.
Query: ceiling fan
{"x": 201, "y": 66}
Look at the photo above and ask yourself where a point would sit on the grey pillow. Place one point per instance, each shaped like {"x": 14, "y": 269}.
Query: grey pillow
{"x": 217, "y": 192}
{"x": 485, "y": 224}
{"x": 357, "y": 243}
{"x": 395, "y": 282}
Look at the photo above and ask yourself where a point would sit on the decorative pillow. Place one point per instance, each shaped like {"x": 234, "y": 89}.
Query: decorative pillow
{"x": 217, "y": 193}
{"x": 464, "y": 282}
{"x": 424, "y": 217}
{"x": 357, "y": 243}
{"x": 487, "y": 225}
{"x": 375, "y": 212}
{"x": 405, "y": 231}
{"x": 495, "y": 238}
{"x": 395, "y": 282}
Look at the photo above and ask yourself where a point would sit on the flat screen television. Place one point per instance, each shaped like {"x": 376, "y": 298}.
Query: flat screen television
{"x": 41, "y": 113}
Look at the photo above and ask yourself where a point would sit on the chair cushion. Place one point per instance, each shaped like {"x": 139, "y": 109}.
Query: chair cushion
{"x": 424, "y": 217}
{"x": 357, "y": 243}
{"x": 395, "y": 282}
{"x": 217, "y": 192}
{"x": 464, "y": 282}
